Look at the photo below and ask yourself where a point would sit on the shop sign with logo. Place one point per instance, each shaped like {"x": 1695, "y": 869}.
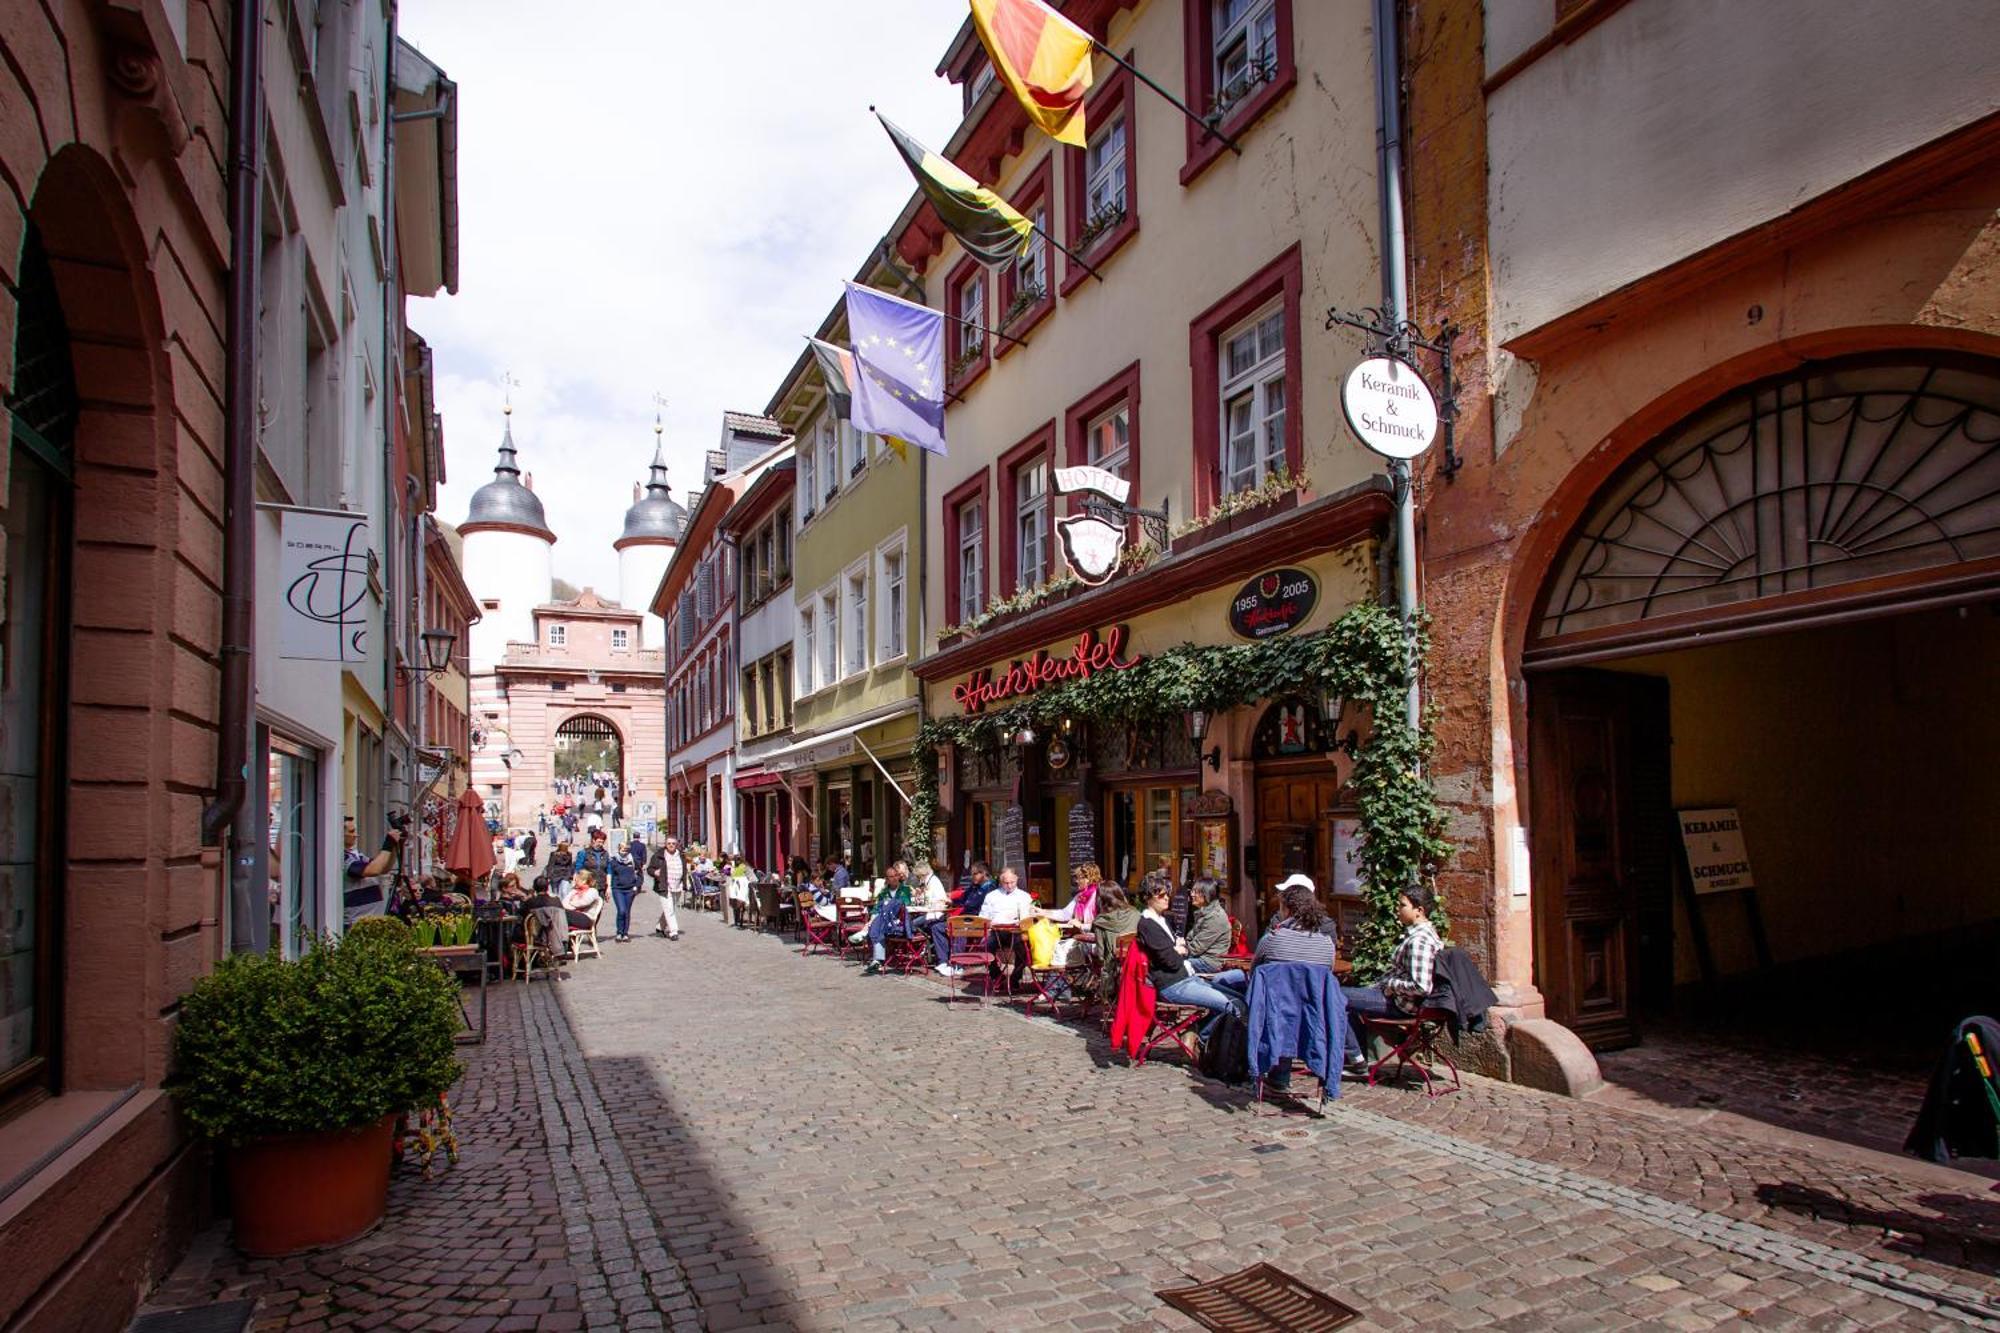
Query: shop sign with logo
{"x": 1090, "y": 655}
{"x": 1389, "y": 407}
{"x": 1094, "y": 540}
{"x": 1273, "y": 603}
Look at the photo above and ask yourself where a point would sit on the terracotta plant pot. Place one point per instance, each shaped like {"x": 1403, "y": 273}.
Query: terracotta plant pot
{"x": 295, "y": 1192}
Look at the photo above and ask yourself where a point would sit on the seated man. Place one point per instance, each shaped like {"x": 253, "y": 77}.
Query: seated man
{"x": 891, "y": 909}
{"x": 1008, "y": 905}
{"x": 1211, "y": 931}
{"x": 1412, "y": 971}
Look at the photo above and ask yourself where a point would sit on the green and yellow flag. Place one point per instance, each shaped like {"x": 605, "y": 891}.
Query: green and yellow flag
{"x": 1043, "y": 57}
{"x": 979, "y": 218}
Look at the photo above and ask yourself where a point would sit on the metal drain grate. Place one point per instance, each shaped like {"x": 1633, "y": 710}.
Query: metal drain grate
{"x": 222, "y": 1317}
{"x": 1260, "y": 1299}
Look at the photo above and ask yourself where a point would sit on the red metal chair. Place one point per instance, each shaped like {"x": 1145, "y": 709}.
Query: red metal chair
{"x": 967, "y": 936}
{"x": 1173, "y": 1024}
{"x": 852, "y": 917}
{"x": 1074, "y": 982}
{"x": 1413, "y": 1041}
{"x": 909, "y": 953}
{"x": 818, "y": 931}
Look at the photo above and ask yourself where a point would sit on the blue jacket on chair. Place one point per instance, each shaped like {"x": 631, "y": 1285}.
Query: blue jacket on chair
{"x": 1297, "y": 1010}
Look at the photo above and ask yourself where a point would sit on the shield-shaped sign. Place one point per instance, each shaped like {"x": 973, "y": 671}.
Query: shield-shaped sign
{"x": 1091, "y": 545}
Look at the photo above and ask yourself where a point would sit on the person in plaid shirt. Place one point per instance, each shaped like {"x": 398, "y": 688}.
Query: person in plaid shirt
{"x": 1411, "y": 972}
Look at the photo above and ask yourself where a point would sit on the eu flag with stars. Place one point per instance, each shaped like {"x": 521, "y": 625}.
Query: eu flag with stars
{"x": 899, "y": 367}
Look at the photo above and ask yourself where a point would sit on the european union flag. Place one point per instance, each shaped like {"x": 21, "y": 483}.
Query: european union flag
{"x": 899, "y": 367}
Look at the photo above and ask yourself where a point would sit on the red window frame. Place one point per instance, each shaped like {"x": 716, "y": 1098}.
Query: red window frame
{"x": 1199, "y": 24}
{"x": 1283, "y": 276}
{"x": 973, "y": 488}
{"x": 1122, "y": 387}
{"x": 1115, "y": 97}
{"x": 954, "y": 289}
{"x": 1042, "y": 444}
{"x": 1037, "y": 191}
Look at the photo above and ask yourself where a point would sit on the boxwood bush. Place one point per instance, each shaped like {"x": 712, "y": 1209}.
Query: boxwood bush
{"x": 353, "y": 1031}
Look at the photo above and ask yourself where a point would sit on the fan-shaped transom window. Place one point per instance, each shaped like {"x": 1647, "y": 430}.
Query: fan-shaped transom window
{"x": 1838, "y": 473}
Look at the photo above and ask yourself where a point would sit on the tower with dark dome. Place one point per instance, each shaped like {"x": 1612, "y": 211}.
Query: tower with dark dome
{"x": 508, "y": 559}
{"x": 653, "y": 527}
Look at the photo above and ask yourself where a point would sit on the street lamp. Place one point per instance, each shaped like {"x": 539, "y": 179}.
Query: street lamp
{"x": 1197, "y": 720}
{"x": 438, "y": 644}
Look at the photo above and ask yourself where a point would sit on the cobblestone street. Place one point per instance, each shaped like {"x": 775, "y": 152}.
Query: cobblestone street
{"x": 738, "y": 1137}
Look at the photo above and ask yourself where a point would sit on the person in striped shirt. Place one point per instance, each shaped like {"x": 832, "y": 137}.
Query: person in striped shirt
{"x": 1412, "y": 971}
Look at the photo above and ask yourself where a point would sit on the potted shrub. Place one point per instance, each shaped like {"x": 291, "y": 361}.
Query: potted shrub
{"x": 299, "y": 1069}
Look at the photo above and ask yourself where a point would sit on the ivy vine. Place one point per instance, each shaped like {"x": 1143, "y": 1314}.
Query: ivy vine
{"x": 1364, "y": 657}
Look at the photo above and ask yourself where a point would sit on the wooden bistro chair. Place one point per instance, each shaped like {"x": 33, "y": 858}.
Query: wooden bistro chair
{"x": 967, "y": 935}
{"x": 531, "y": 950}
{"x": 816, "y": 930}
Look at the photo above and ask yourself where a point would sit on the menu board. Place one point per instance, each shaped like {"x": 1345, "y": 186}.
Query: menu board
{"x": 1082, "y": 834}
{"x": 1010, "y": 837}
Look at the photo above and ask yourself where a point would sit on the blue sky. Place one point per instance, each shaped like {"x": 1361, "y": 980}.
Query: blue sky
{"x": 655, "y": 198}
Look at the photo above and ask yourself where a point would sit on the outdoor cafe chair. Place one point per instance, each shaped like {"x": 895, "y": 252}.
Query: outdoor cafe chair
{"x": 1413, "y": 1043}
{"x": 531, "y": 949}
{"x": 967, "y": 937}
{"x": 1173, "y": 1024}
{"x": 815, "y": 929}
{"x": 1072, "y": 982}
{"x": 851, "y": 918}
{"x": 909, "y": 953}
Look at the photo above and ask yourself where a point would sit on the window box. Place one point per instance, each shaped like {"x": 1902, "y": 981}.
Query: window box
{"x": 1239, "y": 521}
{"x": 1025, "y": 299}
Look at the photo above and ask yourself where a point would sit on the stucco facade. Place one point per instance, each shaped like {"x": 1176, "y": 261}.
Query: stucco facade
{"x": 1798, "y": 205}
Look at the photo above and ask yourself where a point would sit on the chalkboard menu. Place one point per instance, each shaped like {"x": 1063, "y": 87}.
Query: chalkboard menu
{"x": 1082, "y": 834}
{"x": 1181, "y": 907}
{"x": 1010, "y": 837}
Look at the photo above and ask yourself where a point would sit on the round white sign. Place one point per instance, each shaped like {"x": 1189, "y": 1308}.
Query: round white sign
{"x": 1389, "y": 407}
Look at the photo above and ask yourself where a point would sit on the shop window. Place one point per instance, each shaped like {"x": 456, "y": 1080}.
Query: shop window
{"x": 1247, "y": 379}
{"x": 1100, "y": 199}
{"x": 965, "y": 302}
{"x": 1239, "y": 64}
{"x": 1149, "y": 828}
{"x": 293, "y": 849}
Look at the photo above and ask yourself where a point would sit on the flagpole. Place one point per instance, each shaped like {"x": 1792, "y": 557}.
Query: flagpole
{"x": 1075, "y": 258}
{"x": 982, "y": 328}
{"x": 1208, "y": 127}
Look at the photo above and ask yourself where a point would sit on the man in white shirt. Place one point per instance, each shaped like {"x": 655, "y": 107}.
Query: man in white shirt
{"x": 1008, "y": 905}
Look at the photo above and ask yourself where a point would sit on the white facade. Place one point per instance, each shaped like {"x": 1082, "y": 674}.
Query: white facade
{"x": 510, "y": 573}
{"x": 641, "y": 566}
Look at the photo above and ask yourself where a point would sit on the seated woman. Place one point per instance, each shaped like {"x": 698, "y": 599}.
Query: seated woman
{"x": 1081, "y": 909}
{"x": 512, "y": 895}
{"x": 1295, "y": 937}
{"x": 582, "y": 902}
{"x": 1174, "y": 980}
{"x": 1116, "y": 918}
{"x": 826, "y": 899}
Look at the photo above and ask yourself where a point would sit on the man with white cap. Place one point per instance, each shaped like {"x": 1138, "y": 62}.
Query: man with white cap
{"x": 1329, "y": 927}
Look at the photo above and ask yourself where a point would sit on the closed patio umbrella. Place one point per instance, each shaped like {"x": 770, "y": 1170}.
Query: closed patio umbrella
{"x": 471, "y": 850}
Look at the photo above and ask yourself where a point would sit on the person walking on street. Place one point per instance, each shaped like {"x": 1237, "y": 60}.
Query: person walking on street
{"x": 529, "y": 846}
{"x": 669, "y": 870}
{"x": 624, "y": 873}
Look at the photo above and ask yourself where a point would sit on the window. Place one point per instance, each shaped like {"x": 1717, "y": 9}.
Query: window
{"x": 1253, "y": 401}
{"x": 853, "y": 448}
{"x": 1246, "y": 384}
{"x": 1239, "y": 64}
{"x": 829, "y": 455}
{"x": 1026, "y": 296}
{"x": 965, "y": 550}
{"x": 858, "y": 627}
{"x": 890, "y": 600}
{"x": 767, "y": 673}
{"x": 1107, "y": 441}
{"x": 558, "y": 684}
{"x": 784, "y": 529}
{"x": 976, "y": 86}
{"x": 558, "y": 636}
{"x": 1100, "y": 195}
{"x": 784, "y": 675}
{"x": 965, "y": 301}
{"x": 808, "y": 497}
{"x": 1104, "y": 173}
{"x": 829, "y": 644}
{"x": 1024, "y": 549}
{"x": 621, "y": 639}
{"x": 750, "y": 714}
{"x": 807, "y": 658}
{"x": 767, "y": 561}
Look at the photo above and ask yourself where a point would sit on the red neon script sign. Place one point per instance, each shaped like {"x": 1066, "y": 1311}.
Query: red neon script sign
{"x": 1028, "y": 674}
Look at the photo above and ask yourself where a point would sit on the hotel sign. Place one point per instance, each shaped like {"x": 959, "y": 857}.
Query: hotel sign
{"x": 1088, "y": 656}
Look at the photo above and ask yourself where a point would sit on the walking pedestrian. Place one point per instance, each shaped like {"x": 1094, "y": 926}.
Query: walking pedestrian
{"x": 529, "y": 846}
{"x": 669, "y": 870}
{"x": 624, "y": 873}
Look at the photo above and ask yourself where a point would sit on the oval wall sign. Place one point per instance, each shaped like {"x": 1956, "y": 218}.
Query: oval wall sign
{"x": 1389, "y": 407}
{"x": 1273, "y": 603}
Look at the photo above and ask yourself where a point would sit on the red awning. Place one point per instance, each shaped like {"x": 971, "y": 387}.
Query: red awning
{"x": 752, "y": 781}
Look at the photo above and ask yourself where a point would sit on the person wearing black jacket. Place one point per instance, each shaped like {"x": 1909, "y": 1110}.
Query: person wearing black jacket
{"x": 561, "y": 864}
{"x": 595, "y": 858}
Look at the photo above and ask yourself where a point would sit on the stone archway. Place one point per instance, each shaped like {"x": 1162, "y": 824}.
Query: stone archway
{"x": 589, "y": 744}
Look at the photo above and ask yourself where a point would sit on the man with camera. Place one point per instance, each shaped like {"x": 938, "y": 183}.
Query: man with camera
{"x": 364, "y": 892}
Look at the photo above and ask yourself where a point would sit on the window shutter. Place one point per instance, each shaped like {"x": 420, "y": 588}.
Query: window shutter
{"x": 705, "y": 592}
{"x": 685, "y": 619}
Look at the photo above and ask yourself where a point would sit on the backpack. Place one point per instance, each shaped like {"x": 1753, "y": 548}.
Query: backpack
{"x": 1226, "y": 1056}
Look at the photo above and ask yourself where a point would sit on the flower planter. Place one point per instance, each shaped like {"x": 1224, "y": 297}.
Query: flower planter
{"x": 295, "y": 1192}
{"x": 1237, "y": 522}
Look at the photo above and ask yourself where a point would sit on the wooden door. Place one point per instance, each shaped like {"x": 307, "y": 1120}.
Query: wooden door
{"x": 1597, "y": 765}
{"x": 1295, "y": 814}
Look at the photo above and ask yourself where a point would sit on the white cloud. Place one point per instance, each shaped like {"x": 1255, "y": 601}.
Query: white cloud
{"x": 655, "y": 198}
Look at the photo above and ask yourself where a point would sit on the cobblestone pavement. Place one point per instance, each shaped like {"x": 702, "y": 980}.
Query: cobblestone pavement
{"x": 764, "y": 1140}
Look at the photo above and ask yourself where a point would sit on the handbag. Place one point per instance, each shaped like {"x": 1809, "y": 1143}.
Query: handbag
{"x": 1043, "y": 936}
{"x": 1226, "y": 1055}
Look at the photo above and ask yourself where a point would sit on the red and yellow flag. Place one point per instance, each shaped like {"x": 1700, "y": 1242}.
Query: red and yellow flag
{"x": 1043, "y": 57}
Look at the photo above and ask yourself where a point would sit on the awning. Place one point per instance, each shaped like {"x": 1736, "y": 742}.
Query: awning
{"x": 752, "y": 781}
{"x": 836, "y": 744}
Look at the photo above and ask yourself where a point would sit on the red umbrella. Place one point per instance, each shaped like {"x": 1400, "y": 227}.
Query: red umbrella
{"x": 471, "y": 850}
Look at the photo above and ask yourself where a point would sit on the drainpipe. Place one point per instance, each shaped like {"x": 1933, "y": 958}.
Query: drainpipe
{"x": 1396, "y": 298}
{"x": 249, "y": 916}
{"x": 392, "y": 352}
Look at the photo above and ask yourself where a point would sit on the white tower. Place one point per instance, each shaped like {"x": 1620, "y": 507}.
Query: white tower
{"x": 509, "y": 558}
{"x": 653, "y": 527}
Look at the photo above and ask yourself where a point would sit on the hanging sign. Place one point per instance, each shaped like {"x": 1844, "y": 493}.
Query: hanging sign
{"x": 1718, "y": 862}
{"x": 1070, "y": 480}
{"x": 1087, "y": 658}
{"x": 1092, "y": 543}
{"x": 1273, "y": 603}
{"x": 1389, "y": 407}
{"x": 323, "y": 570}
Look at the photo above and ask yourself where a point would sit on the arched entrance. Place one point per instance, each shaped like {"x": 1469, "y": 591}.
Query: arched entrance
{"x": 590, "y": 753}
{"x": 1786, "y": 607}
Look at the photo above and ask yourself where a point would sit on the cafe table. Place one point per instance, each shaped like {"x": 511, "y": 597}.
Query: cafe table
{"x": 459, "y": 959}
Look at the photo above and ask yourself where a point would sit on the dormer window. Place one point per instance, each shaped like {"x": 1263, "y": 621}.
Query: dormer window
{"x": 558, "y": 636}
